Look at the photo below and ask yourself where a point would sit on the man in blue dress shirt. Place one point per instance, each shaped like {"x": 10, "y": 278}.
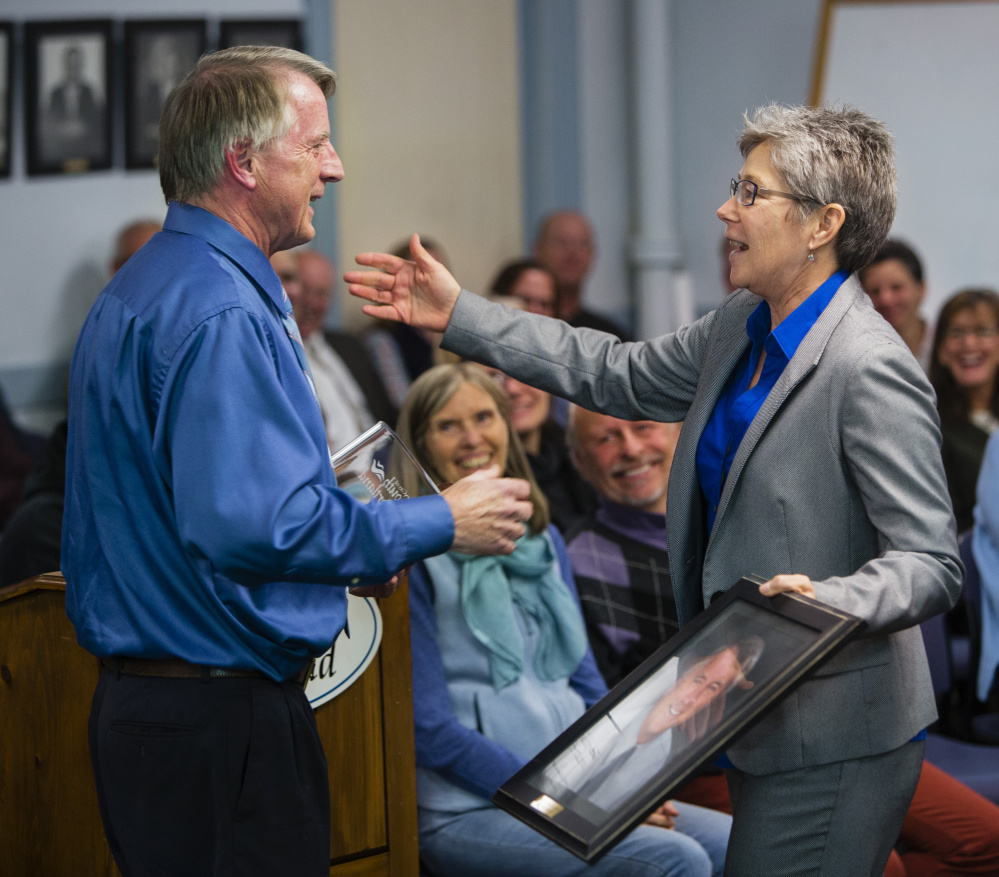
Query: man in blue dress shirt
{"x": 206, "y": 547}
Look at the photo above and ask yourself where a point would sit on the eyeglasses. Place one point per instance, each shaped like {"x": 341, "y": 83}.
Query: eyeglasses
{"x": 982, "y": 333}
{"x": 745, "y": 192}
{"x": 498, "y": 377}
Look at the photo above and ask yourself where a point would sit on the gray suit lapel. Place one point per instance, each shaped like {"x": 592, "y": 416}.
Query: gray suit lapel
{"x": 684, "y": 523}
{"x": 804, "y": 360}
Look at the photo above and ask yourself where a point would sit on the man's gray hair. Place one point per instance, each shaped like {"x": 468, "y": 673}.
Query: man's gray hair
{"x": 233, "y": 98}
{"x": 833, "y": 155}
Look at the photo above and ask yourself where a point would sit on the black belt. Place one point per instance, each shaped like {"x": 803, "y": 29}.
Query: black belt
{"x": 175, "y": 668}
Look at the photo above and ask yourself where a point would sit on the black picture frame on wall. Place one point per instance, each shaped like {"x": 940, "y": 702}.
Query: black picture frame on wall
{"x": 686, "y": 704}
{"x": 68, "y": 74}
{"x": 286, "y": 32}
{"x": 6, "y": 99}
{"x": 158, "y": 54}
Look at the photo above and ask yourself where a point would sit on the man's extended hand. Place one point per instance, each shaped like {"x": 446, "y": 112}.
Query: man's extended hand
{"x": 488, "y": 511}
{"x": 420, "y": 292}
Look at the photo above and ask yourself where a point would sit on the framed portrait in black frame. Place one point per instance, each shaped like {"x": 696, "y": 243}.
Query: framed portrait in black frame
{"x": 67, "y": 97}
{"x": 158, "y": 54}
{"x": 682, "y": 707}
{"x": 286, "y": 32}
{"x": 6, "y": 77}
{"x": 6, "y": 82}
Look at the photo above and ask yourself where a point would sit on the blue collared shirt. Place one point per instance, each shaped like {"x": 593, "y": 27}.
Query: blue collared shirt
{"x": 202, "y": 518}
{"x": 739, "y": 403}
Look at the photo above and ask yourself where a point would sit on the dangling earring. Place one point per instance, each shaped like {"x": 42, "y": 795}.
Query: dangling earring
{"x": 811, "y": 256}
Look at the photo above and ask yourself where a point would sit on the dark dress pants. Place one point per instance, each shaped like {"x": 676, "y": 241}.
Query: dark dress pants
{"x": 218, "y": 778}
{"x": 833, "y": 820}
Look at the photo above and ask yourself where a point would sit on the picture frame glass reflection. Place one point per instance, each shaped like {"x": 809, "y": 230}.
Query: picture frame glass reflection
{"x": 682, "y": 707}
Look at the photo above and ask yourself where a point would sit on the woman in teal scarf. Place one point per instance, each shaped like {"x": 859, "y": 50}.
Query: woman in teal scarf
{"x": 501, "y": 666}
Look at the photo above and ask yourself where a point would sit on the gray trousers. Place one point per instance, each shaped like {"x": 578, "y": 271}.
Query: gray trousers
{"x": 835, "y": 820}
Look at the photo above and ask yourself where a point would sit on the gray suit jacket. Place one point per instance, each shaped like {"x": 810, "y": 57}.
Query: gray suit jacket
{"x": 839, "y": 478}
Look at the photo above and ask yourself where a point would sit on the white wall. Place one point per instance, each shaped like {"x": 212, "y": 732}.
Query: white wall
{"x": 730, "y": 56}
{"x": 605, "y": 160}
{"x": 427, "y": 125}
{"x": 939, "y": 108}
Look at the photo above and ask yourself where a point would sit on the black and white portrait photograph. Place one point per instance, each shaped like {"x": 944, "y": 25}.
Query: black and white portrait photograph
{"x": 276, "y": 32}
{"x": 6, "y": 68}
{"x": 158, "y": 54}
{"x": 67, "y": 102}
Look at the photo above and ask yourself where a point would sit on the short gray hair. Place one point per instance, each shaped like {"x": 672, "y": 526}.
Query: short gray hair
{"x": 236, "y": 96}
{"x": 833, "y": 155}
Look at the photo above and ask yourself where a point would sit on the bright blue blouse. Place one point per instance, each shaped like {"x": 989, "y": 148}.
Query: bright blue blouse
{"x": 739, "y": 403}
{"x": 202, "y": 519}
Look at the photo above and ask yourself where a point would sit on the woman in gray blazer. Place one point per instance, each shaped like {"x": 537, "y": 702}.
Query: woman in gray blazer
{"x": 810, "y": 455}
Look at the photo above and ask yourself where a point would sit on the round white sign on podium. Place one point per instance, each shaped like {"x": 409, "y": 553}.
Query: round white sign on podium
{"x": 339, "y": 668}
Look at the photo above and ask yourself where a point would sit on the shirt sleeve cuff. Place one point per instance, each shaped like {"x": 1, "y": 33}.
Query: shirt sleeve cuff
{"x": 428, "y": 525}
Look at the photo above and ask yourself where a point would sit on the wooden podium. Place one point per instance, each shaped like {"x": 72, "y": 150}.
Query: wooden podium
{"x": 49, "y": 821}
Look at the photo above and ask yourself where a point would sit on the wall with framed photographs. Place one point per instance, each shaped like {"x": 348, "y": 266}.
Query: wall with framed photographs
{"x": 157, "y": 55}
{"x": 445, "y": 73}
{"x": 461, "y": 101}
{"x": 79, "y": 90}
{"x": 6, "y": 75}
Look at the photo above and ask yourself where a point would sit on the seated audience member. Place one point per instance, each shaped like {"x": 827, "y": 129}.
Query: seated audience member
{"x": 618, "y": 553}
{"x": 619, "y": 556}
{"x": 401, "y": 353}
{"x": 985, "y": 546}
{"x": 32, "y": 538}
{"x": 894, "y": 281}
{"x": 565, "y": 246}
{"x": 351, "y": 396}
{"x": 16, "y": 448}
{"x": 621, "y": 566}
{"x": 528, "y": 282}
{"x": 963, "y": 373}
{"x": 131, "y": 239}
{"x": 569, "y": 497}
{"x": 317, "y": 276}
{"x": 948, "y": 829}
{"x": 531, "y": 283}
{"x": 501, "y": 666}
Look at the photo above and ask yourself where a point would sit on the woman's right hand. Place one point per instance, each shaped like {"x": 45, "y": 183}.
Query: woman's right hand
{"x": 664, "y": 816}
{"x": 420, "y": 292}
